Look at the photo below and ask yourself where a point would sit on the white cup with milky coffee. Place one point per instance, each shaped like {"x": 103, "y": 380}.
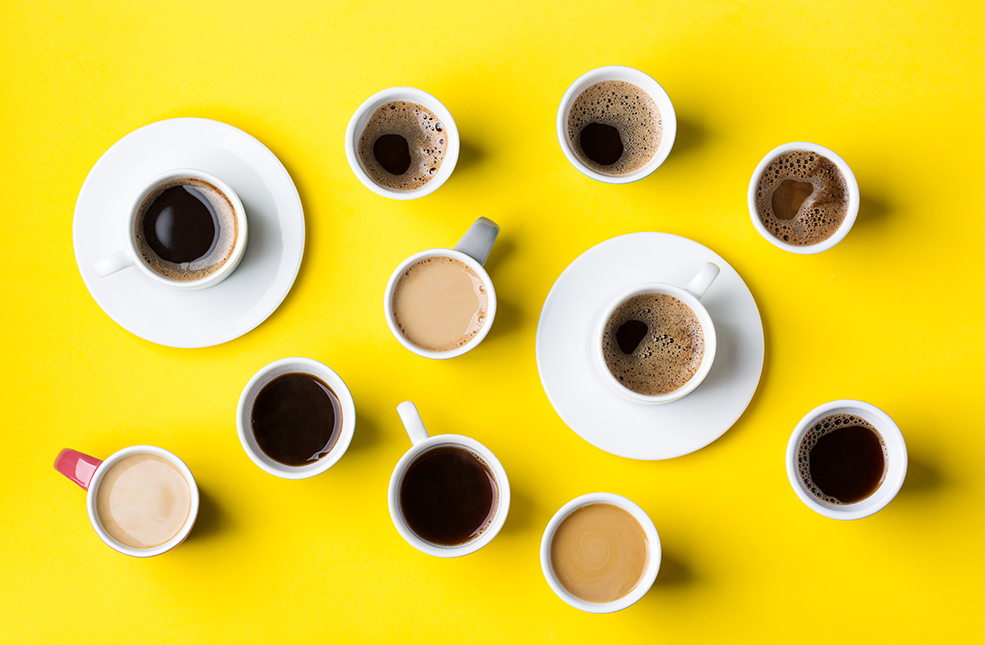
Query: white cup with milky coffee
{"x": 440, "y": 303}
{"x": 142, "y": 501}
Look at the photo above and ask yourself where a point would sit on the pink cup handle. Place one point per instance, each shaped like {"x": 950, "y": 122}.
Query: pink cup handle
{"x": 77, "y": 466}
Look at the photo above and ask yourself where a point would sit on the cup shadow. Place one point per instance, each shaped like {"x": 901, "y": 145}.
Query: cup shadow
{"x": 367, "y": 433}
{"x": 674, "y": 572}
{"x": 873, "y": 210}
{"x": 691, "y": 136}
{"x": 522, "y": 513}
{"x": 469, "y": 156}
{"x": 211, "y": 519}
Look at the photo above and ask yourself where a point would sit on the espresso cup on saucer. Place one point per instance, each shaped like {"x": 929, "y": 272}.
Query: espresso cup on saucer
{"x": 295, "y": 418}
{"x": 651, "y": 326}
{"x": 846, "y": 459}
{"x": 185, "y": 229}
{"x": 448, "y": 495}
{"x": 142, "y": 501}
{"x": 440, "y": 303}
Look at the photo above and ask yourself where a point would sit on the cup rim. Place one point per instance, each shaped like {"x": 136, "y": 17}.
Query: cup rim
{"x": 267, "y": 373}
{"x": 648, "y": 576}
{"x": 502, "y": 504}
{"x": 645, "y": 82}
{"x": 92, "y": 494}
{"x": 358, "y": 122}
{"x": 850, "y": 182}
{"x": 391, "y": 286}
{"x": 896, "y": 456}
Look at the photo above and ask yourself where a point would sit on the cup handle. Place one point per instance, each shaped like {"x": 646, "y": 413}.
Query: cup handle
{"x": 116, "y": 262}
{"x": 700, "y": 283}
{"x": 413, "y": 423}
{"x": 77, "y": 466}
{"x": 479, "y": 239}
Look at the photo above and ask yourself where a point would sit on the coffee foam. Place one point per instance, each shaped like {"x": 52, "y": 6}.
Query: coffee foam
{"x": 816, "y": 431}
{"x": 821, "y": 214}
{"x": 670, "y": 353}
{"x": 221, "y": 252}
{"x": 427, "y": 140}
{"x": 628, "y": 109}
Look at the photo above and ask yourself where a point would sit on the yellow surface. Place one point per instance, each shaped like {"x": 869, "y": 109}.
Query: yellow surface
{"x": 893, "y": 315}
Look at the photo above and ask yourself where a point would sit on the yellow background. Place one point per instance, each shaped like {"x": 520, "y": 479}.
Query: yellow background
{"x": 893, "y": 315}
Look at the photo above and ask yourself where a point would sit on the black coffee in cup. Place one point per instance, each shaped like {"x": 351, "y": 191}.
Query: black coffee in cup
{"x": 403, "y": 145}
{"x": 842, "y": 459}
{"x": 296, "y": 419}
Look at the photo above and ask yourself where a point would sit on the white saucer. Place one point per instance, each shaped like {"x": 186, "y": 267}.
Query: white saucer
{"x": 273, "y": 253}
{"x": 575, "y": 389}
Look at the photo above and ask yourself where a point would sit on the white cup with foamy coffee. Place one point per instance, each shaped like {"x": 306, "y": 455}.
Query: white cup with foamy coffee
{"x": 186, "y": 229}
{"x": 142, "y": 501}
{"x": 440, "y": 303}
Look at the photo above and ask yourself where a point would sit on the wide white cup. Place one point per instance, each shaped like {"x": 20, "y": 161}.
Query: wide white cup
{"x": 691, "y": 296}
{"x": 850, "y": 182}
{"x": 362, "y": 116}
{"x": 649, "y": 571}
{"x": 641, "y": 80}
{"x": 244, "y": 411}
{"x": 472, "y": 249}
{"x": 131, "y": 256}
{"x": 423, "y": 442}
{"x": 896, "y": 459}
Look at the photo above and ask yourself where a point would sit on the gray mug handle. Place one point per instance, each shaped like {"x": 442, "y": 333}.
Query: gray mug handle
{"x": 479, "y": 239}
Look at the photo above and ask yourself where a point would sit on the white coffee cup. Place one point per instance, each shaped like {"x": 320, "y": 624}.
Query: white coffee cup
{"x": 361, "y": 118}
{"x": 244, "y": 411}
{"x": 691, "y": 296}
{"x": 850, "y": 215}
{"x": 88, "y": 472}
{"x": 472, "y": 250}
{"x": 649, "y": 571}
{"x": 641, "y": 80}
{"x": 896, "y": 460}
{"x": 422, "y": 443}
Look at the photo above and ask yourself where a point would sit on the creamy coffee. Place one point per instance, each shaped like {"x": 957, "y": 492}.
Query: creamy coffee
{"x": 143, "y": 501}
{"x": 599, "y": 553}
{"x": 403, "y": 145}
{"x": 439, "y": 303}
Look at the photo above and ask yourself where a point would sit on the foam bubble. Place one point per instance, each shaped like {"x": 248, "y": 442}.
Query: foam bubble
{"x": 817, "y": 430}
{"x": 426, "y": 143}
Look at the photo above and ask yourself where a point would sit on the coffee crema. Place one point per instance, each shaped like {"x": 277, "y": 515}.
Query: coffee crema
{"x": 439, "y": 303}
{"x": 614, "y": 127}
{"x": 403, "y": 145}
{"x": 653, "y": 344}
{"x": 143, "y": 501}
{"x": 296, "y": 419}
{"x": 842, "y": 459}
{"x": 802, "y": 198}
{"x": 599, "y": 553}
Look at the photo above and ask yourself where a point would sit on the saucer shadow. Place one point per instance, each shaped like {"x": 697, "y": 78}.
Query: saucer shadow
{"x": 469, "y": 156}
{"x": 211, "y": 518}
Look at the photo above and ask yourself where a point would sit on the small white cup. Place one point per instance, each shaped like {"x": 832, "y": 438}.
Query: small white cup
{"x": 850, "y": 215}
{"x": 130, "y": 255}
{"x": 472, "y": 249}
{"x": 895, "y": 457}
{"x": 691, "y": 296}
{"x": 244, "y": 413}
{"x": 652, "y": 561}
{"x": 362, "y": 116}
{"x": 423, "y": 442}
{"x": 641, "y": 80}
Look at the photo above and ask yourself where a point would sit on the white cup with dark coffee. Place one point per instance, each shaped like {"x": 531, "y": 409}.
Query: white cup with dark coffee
{"x": 448, "y": 495}
{"x": 656, "y": 342}
{"x": 846, "y": 459}
{"x": 185, "y": 229}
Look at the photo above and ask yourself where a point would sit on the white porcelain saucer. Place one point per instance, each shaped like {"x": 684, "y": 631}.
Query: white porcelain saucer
{"x": 273, "y": 253}
{"x": 646, "y": 431}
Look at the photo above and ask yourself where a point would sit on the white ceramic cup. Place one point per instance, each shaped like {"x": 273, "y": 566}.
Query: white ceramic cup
{"x": 88, "y": 473}
{"x": 641, "y": 80}
{"x": 691, "y": 296}
{"x": 130, "y": 255}
{"x": 362, "y": 116}
{"x": 472, "y": 249}
{"x": 422, "y": 443}
{"x": 649, "y": 571}
{"x": 244, "y": 412}
{"x": 896, "y": 460}
{"x": 850, "y": 215}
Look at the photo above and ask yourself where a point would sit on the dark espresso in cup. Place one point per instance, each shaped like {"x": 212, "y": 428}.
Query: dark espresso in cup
{"x": 296, "y": 419}
{"x": 186, "y": 229}
{"x": 403, "y": 145}
{"x": 614, "y": 127}
{"x": 842, "y": 459}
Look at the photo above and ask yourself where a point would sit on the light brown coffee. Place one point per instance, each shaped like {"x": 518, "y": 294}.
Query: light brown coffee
{"x": 403, "y": 145}
{"x": 143, "y": 501}
{"x": 599, "y": 553}
{"x": 440, "y": 303}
